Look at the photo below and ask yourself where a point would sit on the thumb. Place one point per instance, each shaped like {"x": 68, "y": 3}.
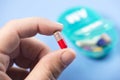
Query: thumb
{"x": 51, "y": 65}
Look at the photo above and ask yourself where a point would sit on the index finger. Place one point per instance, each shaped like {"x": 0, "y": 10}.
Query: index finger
{"x": 13, "y": 31}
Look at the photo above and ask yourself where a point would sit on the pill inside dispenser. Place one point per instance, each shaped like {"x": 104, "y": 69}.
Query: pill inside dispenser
{"x": 60, "y": 40}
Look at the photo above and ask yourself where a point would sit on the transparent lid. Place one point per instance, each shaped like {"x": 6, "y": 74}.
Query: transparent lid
{"x": 91, "y": 34}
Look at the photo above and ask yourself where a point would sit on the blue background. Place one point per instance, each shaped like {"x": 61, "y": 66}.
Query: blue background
{"x": 83, "y": 68}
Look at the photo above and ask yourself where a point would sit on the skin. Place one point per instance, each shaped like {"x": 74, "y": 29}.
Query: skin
{"x": 18, "y": 45}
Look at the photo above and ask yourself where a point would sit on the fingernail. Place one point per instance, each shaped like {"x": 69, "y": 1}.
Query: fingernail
{"x": 67, "y": 57}
{"x": 60, "y": 26}
{"x": 60, "y": 23}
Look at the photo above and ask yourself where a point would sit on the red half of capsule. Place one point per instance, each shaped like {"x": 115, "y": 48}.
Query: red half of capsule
{"x": 62, "y": 44}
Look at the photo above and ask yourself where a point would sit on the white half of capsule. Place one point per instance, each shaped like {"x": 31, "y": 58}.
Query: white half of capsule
{"x": 58, "y": 35}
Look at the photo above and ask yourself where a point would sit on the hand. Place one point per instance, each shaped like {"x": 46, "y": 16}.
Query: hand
{"x": 18, "y": 46}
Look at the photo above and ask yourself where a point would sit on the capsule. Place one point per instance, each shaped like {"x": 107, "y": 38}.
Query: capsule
{"x": 60, "y": 40}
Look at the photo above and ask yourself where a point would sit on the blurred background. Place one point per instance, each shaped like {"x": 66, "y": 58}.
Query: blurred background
{"x": 83, "y": 68}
